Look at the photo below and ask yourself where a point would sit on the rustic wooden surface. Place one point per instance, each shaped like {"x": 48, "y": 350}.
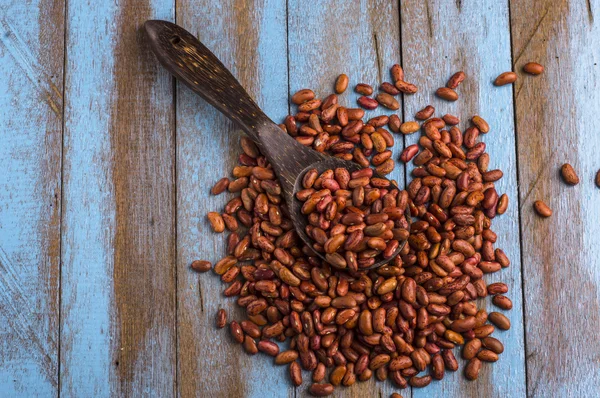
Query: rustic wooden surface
{"x": 106, "y": 165}
{"x": 252, "y": 43}
{"x": 556, "y": 123}
{"x": 31, "y": 103}
{"x": 362, "y": 51}
{"x": 118, "y": 307}
{"x": 482, "y": 51}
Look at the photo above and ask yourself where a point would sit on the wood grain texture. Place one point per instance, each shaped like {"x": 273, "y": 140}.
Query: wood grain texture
{"x": 360, "y": 39}
{"x": 438, "y": 40}
{"x": 31, "y": 83}
{"x": 118, "y": 290}
{"x": 250, "y": 39}
{"x": 96, "y": 294}
{"x": 556, "y": 124}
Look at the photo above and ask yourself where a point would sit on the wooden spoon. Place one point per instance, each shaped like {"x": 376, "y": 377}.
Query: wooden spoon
{"x": 191, "y": 62}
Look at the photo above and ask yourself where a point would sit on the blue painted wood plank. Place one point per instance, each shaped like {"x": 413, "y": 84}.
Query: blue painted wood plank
{"x": 438, "y": 40}
{"x": 31, "y": 60}
{"x": 251, "y": 42}
{"x": 118, "y": 276}
{"x": 362, "y": 40}
{"x": 556, "y": 116}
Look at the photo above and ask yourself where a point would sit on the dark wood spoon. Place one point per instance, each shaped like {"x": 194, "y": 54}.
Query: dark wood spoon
{"x": 191, "y": 62}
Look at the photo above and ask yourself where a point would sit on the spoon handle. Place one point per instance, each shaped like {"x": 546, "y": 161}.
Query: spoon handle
{"x": 190, "y": 61}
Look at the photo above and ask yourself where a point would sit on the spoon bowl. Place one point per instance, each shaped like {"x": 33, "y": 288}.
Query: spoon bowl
{"x": 186, "y": 58}
{"x": 301, "y": 221}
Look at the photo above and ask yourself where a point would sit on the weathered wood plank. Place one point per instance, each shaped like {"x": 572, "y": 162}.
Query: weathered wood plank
{"x": 250, "y": 39}
{"x": 556, "y": 124}
{"x": 360, "y": 39}
{"x": 31, "y": 60}
{"x": 118, "y": 285}
{"x": 439, "y": 39}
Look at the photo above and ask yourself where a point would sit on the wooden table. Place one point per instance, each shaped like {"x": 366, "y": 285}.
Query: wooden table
{"x": 106, "y": 164}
